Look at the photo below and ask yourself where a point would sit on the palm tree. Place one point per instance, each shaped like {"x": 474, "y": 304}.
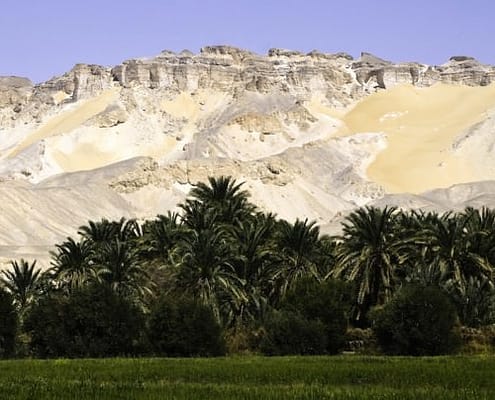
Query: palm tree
{"x": 474, "y": 300}
{"x": 219, "y": 189}
{"x": 160, "y": 237}
{"x": 22, "y": 282}
{"x": 73, "y": 264}
{"x": 420, "y": 266}
{"x": 224, "y": 195}
{"x": 450, "y": 244}
{"x": 254, "y": 249}
{"x": 118, "y": 267}
{"x": 425, "y": 274}
{"x": 298, "y": 244}
{"x": 255, "y": 258}
{"x": 480, "y": 228}
{"x": 100, "y": 231}
{"x": 197, "y": 216}
{"x": 369, "y": 253}
{"x": 127, "y": 229}
{"x": 206, "y": 271}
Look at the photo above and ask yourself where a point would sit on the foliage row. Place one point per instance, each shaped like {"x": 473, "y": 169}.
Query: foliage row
{"x": 182, "y": 283}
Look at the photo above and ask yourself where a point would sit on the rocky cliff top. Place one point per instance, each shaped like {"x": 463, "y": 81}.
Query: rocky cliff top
{"x": 338, "y": 77}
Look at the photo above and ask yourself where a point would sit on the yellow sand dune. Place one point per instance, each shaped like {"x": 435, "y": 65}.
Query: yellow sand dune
{"x": 68, "y": 120}
{"x": 421, "y": 125}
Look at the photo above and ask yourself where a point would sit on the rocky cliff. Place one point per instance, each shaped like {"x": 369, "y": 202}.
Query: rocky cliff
{"x": 338, "y": 77}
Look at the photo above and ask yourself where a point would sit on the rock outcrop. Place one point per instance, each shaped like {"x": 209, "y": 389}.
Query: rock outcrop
{"x": 337, "y": 77}
{"x": 14, "y": 95}
{"x": 458, "y": 70}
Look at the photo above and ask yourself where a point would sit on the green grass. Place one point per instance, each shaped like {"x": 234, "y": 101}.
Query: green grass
{"x": 345, "y": 377}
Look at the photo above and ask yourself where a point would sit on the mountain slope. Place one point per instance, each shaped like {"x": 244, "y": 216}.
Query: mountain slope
{"x": 313, "y": 135}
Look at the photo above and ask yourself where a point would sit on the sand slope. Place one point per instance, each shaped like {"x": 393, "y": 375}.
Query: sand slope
{"x": 421, "y": 124}
{"x": 68, "y": 120}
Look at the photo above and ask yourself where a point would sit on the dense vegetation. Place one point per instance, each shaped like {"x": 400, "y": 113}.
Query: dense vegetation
{"x": 223, "y": 276}
{"x": 439, "y": 378}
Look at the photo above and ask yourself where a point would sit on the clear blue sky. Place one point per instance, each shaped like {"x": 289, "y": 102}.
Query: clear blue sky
{"x": 43, "y": 38}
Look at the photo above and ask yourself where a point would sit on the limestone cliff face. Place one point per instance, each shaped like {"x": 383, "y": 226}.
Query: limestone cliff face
{"x": 233, "y": 71}
{"x": 458, "y": 70}
{"x": 337, "y": 77}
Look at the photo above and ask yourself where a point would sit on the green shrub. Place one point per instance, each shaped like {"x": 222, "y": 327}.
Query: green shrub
{"x": 417, "y": 321}
{"x": 327, "y": 302}
{"x": 92, "y": 322}
{"x": 8, "y": 325}
{"x": 288, "y": 332}
{"x": 184, "y": 328}
{"x": 44, "y": 325}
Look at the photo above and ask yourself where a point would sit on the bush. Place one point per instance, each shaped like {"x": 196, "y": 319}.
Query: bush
{"x": 417, "y": 321}
{"x": 8, "y": 325}
{"x": 92, "y": 322}
{"x": 44, "y": 325}
{"x": 184, "y": 328}
{"x": 327, "y": 302}
{"x": 361, "y": 341}
{"x": 287, "y": 333}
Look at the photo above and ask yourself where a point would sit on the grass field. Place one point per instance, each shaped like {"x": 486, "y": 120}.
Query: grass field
{"x": 345, "y": 377}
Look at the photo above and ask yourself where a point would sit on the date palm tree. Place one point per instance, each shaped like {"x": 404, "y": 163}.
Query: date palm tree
{"x": 206, "y": 271}
{"x": 128, "y": 230}
{"x": 226, "y": 196}
{"x": 254, "y": 260}
{"x": 369, "y": 253}
{"x": 99, "y": 232}
{"x": 480, "y": 228}
{"x": 160, "y": 237}
{"x": 412, "y": 227}
{"x": 298, "y": 244}
{"x": 453, "y": 246}
{"x": 198, "y": 216}
{"x": 118, "y": 267}
{"x": 474, "y": 300}
{"x": 73, "y": 264}
{"x": 21, "y": 280}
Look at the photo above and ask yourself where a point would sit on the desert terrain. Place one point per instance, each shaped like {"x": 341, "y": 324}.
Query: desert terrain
{"x": 311, "y": 135}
